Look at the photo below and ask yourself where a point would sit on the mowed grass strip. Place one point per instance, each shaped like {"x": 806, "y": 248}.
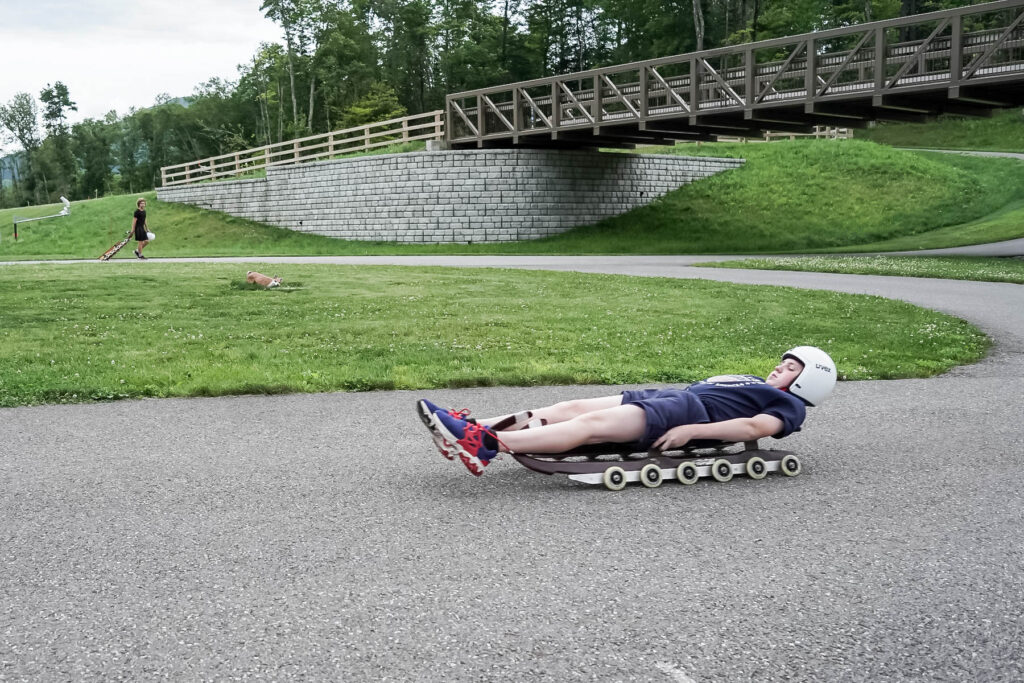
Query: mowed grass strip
{"x": 951, "y": 268}
{"x": 90, "y": 332}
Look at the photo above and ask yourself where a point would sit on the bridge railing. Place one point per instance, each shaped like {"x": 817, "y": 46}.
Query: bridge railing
{"x": 429, "y": 126}
{"x": 950, "y": 48}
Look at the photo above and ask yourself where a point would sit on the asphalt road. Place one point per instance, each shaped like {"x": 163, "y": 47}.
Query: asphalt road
{"x": 321, "y": 536}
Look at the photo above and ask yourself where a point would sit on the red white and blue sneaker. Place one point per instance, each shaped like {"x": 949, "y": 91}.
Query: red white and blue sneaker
{"x": 425, "y": 409}
{"x": 468, "y": 438}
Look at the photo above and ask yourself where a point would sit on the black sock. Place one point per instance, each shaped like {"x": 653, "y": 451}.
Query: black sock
{"x": 490, "y": 441}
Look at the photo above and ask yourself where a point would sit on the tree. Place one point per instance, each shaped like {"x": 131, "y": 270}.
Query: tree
{"x": 404, "y": 32}
{"x": 380, "y": 104}
{"x": 469, "y": 46}
{"x": 57, "y": 103}
{"x": 20, "y": 117}
{"x": 259, "y": 87}
{"x": 127, "y": 152}
{"x": 56, "y": 159}
{"x": 698, "y": 24}
{"x": 346, "y": 65}
{"x": 286, "y": 13}
{"x": 214, "y": 121}
{"x": 509, "y": 12}
{"x": 90, "y": 143}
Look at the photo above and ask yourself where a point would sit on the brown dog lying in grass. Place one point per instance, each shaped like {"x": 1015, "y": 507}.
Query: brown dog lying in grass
{"x": 260, "y": 279}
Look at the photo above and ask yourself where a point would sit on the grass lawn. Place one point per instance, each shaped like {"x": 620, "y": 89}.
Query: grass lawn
{"x": 789, "y": 197}
{"x": 951, "y": 268}
{"x": 87, "y": 332}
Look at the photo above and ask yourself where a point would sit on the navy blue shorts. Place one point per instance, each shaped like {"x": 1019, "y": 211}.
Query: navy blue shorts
{"x": 665, "y": 409}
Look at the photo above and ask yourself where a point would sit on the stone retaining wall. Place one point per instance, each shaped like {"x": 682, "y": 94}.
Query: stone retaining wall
{"x": 451, "y": 196}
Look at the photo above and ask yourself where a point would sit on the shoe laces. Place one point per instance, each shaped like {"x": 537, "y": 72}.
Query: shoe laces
{"x": 473, "y": 438}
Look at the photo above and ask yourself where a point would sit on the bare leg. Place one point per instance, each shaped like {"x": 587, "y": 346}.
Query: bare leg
{"x": 618, "y": 424}
{"x": 142, "y": 245}
{"x": 566, "y": 410}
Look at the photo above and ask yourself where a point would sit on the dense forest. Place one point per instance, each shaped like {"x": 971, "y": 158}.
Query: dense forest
{"x": 348, "y": 62}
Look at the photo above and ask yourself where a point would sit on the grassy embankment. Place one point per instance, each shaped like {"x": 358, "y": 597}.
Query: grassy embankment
{"x": 788, "y": 197}
{"x": 826, "y": 196}
{"x": 74, "y": 333}
{"x": 1002, "y": 132}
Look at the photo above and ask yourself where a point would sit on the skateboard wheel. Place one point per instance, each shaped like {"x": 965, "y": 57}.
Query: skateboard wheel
{"x": 614, "y": 478}
{"x": 650, "y": 476}
{"x": 687, "y": 473}
{"x": 790, "y": 465}
{"x": 756, "y": 468}
{"x": 721, "y": 470}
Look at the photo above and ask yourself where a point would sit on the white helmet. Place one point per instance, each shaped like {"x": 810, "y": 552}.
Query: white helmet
{"x": 818, "y": 378}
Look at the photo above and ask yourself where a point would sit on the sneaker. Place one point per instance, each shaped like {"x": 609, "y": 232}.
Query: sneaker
{"x": 425, "y": 409}
{"x": 137, "y": 254}
{"x": 468, "y": 440}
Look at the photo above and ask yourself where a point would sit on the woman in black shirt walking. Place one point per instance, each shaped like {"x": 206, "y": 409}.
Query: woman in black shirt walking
{"x": 139, "y": 228}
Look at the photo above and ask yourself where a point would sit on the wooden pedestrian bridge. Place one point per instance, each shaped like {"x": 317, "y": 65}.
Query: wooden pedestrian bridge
{"x": 967, "y": 60}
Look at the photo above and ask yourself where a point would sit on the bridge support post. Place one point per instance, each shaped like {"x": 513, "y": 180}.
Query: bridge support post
{"x": 879, "y": 58}
{"x": 517, "y": 117}
{"x": 480, "y": 122}
{"x": 449, "y": 120}
{"x": 810, "y": 77}
{"x": 643, "y": 94}
{"x": 694, "y": 89}
{"x": 956, "y": 55}
{"x": 749, "y": 82}
{"x": 556, "y": 110}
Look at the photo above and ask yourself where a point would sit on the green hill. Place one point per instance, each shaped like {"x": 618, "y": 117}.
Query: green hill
{"x": 789, "y": 196}
{"x": 1002, "y": 132}
{"x": 814, "y": 195}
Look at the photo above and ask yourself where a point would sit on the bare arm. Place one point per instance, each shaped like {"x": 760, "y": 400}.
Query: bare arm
{"x": 740, "y": 429}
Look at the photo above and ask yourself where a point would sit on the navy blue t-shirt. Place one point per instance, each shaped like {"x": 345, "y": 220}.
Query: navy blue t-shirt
{"x": 727, "y": 397}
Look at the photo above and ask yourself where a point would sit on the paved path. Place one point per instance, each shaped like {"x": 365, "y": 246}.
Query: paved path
{"x": 320, "y": 537}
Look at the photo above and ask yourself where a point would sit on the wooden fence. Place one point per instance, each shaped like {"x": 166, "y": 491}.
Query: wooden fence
{"x": 429, "y": 126}
{"x": 820, "y": 132}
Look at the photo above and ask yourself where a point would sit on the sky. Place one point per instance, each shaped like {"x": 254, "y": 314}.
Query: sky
{"x": 118, "y": 54}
